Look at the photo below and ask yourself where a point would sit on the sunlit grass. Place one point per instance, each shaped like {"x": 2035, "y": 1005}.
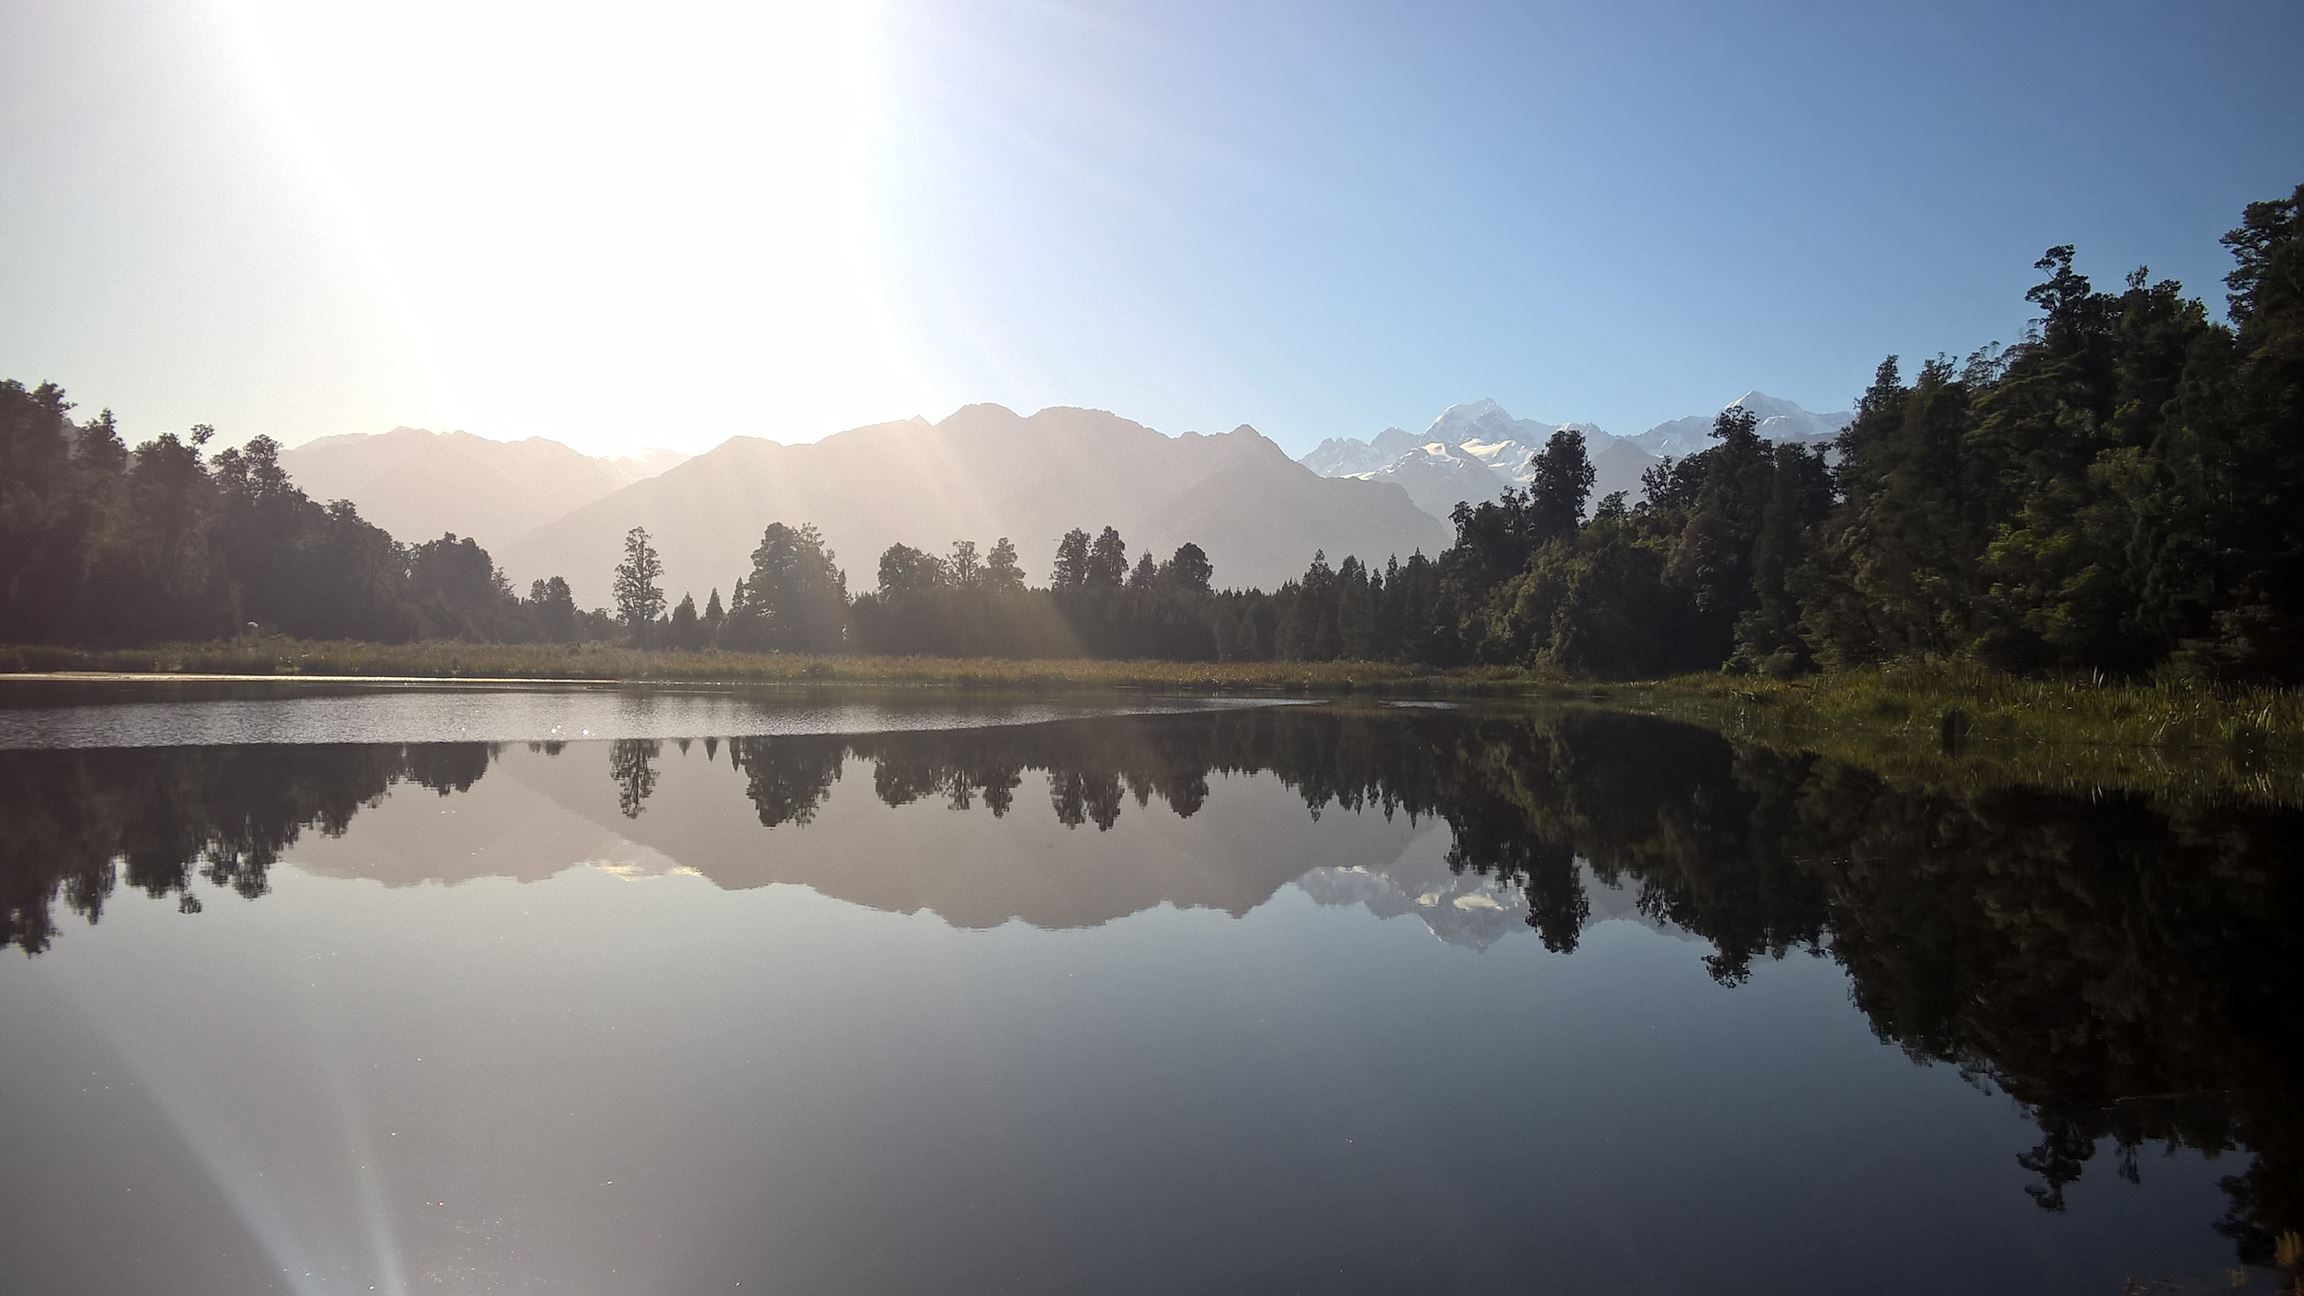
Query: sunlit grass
{"x": 273, "y": 657}
{"x": 1970, "y": 704}
{"x": 1958, "y": 724}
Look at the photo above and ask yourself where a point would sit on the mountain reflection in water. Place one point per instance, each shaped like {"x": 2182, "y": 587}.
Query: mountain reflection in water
{"x": 2125, "y": 967}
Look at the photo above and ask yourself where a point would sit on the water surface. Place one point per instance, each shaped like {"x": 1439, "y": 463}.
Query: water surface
{"x": 37, "y": 714}
{"x": 1241, "y": 999}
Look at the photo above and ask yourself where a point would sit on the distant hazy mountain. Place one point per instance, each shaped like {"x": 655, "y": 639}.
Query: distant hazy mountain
{"x": 983, "y": 473}
{"x": 1438, "y": 475}
{"x": 1485, "y": 423}
{"x": 1344, "y": 456}
{"x": 1780, "y": 420}
{"x": 647, "y": 463}
{"x": 1616, "y": 466}
{"x": 1445, "y": 465}
{"x": 417, "y": 484}
{"x": 1434, "y": 469}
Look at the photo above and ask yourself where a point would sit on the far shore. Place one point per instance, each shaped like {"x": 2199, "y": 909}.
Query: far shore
{"x": 1939, "y": 707}
{"x": 270, "y": 661}
{"x": 197, "y": 677}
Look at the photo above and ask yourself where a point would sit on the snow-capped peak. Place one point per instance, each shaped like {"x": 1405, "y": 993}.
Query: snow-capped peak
{"x": 1480, "y": 420}
{"x": 1481, "y": 436}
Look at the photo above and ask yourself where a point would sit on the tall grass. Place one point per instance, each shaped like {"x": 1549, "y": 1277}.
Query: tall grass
{"x": 1968, "y": 704}
{"x": 1959, "y": 726}
{"x": 606, "y": 663}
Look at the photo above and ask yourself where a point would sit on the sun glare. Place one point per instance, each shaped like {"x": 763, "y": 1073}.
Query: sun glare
{"x": 571, "y": 211}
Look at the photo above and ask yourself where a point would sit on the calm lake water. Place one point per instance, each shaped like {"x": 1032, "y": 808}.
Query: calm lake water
{"x": 998, "y": 998}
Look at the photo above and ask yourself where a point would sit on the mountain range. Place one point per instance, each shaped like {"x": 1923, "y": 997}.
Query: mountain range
{"x": 418, "y": 484}
{"x": 983, "y": 473}
{"x": 1475, "y": 451}
{"x": 544, "y": 509}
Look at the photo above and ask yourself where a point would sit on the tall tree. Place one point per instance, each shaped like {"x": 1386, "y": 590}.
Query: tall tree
{"x": 1107, "y": 561}
{"x": 1003, "y": 574}
{"x": 686, "y": 629}
{"x": 1563, "y": 477}
{"x": 458, "y": 591}
{"x": 1188, "y": 569}
{"x": 964, "y": 567}
{"x": 1071, "y": 571}
{"x": 796, "y": 597}
{"x": 639, "y": 600}
{"x": 906, "y": 571}
{"x": 552, "y": 610}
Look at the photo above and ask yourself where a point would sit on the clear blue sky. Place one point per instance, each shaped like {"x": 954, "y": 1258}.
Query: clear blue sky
{"x": 637, "y": 226}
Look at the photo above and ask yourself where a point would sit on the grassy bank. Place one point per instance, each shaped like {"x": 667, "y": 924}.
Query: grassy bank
{"x": 605, "y": 663}
{"x": 1930, "y": 701}
{"x": 1959, "y": 723}
{"x": 2058, "y": 731}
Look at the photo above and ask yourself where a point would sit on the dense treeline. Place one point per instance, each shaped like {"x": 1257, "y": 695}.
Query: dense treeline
{"x": 2123, "y": 966}
{"x": 100, "y": 544}
{"x": 2114, "y": 493}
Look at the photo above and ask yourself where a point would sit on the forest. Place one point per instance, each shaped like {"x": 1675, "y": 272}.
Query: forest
{"x": 2113, "y": 494}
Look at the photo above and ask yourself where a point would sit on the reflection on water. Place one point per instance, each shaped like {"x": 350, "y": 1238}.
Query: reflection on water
{"x": 159, "y": 712}
{"x": 2125, "y": 970}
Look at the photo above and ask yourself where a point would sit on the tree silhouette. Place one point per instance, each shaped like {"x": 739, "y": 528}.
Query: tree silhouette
{"x": 1002, "y": 573}
{"x": 1071, "y": 570}
{"x": 639, "y": 601}
{"x": 685, "y": 630}
{"x": 1188, "y": 570}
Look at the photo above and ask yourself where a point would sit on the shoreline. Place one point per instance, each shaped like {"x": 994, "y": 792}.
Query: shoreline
{"x": 1945, "y": 708}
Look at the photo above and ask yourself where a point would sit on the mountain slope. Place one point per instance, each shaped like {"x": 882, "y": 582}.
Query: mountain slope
{"x": 417, "y": 484}
{"x": 1348, "y": 456}
{"x": 983, "y": 473}
{"x": 1438, "y": 477}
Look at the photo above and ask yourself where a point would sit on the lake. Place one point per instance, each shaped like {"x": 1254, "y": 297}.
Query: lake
{"x": 605, "y": 992}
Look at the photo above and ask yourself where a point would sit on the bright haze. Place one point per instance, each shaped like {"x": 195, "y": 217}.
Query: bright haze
{"x": 626, "y": 227}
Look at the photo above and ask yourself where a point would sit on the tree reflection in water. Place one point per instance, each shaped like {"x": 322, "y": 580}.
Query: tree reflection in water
{"x": 632, "y": 764}
{"x": 2125, "y": 966}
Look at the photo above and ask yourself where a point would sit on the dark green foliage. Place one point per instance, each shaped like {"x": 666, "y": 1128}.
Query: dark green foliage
{"x": 104, "y": 545}
{"x": 1563, "y": 480}
{"x": 2111, "y": 494}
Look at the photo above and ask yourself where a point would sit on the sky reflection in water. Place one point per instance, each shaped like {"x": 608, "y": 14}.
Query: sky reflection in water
{"x": 1247, "y": 999}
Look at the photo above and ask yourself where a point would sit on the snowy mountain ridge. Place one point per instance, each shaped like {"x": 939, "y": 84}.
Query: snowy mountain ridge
{"x": 1475, "y": 450}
